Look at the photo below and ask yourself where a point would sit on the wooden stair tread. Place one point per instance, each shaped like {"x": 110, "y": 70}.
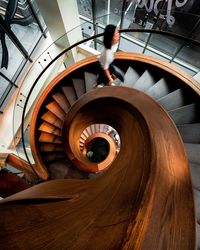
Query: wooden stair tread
{"x": 51, "y": 118}
{"x": 101, "y": 128}
{"x": 83, "y": 137}
{"x": 82, "y": 140}
{"x": 48, "y": 147}
{"x": 46, "y": 137}
{"x": 89, "y": 131}
{"x": 49, "y": 128}
{"x": 56, "y": 109}
{"x": 92, "y": 128}
{"x": 62, "y": 101}
{"x": 48, "y": 157}
{"x": 85, "y": 133}
{"x": 70, "y": 94}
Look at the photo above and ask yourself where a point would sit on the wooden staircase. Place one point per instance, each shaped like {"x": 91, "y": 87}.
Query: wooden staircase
{"x": 66, "y": 115}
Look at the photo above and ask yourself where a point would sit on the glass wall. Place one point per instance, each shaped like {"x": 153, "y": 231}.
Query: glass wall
{"x": 85, "y": 8}
{"x": 21, "y": 27}
{"x": 174, "y": 16}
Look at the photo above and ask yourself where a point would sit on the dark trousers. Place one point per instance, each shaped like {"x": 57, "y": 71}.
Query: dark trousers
{"x": 103, "y": 79}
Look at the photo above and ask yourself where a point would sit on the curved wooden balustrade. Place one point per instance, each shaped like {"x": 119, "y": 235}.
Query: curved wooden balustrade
{"x": 22, "y": 165}
{"x": 143, "y": 201}
{"x": 165, "y": 67}
{"x": 100, "y": 165}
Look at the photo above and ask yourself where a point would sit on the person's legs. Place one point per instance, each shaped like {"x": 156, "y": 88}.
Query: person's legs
{"x": 101, "y": 78}
{"x": 116, "y": 73}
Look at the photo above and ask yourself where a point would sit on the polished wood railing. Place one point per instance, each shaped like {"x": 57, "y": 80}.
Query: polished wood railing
{"x": 143, "y": 201}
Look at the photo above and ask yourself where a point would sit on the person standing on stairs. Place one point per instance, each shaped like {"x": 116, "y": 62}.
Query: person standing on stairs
{"x": 107, "y": 71}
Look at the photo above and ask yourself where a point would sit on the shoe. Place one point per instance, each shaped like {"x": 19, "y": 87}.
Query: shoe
{"x": 99, "y": 86}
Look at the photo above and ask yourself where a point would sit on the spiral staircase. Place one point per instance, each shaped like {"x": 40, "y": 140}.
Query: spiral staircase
{"x": 141, "y": 198}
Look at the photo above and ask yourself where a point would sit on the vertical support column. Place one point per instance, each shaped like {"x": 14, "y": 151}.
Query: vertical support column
{"x": 62, "y": 17}
{"x": 94, "y": 16}
{"x": 123, "y": 14}
{"x": 108, "y": 12}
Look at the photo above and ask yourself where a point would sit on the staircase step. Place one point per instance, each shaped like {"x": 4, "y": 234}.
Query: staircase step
{"x": 105, "y": 128}
{"x": 197, "y": 209}
{"x": 130, "y": 78}
{"x": 79, "y": 86}
{"x": 48, "y": 147}
{"x": 51, "y": 118}
{"x": 184, "y": 115}
{"x": 190, "y": 133}
{"x": 97, "y": 127}
{"x": 193, "y": 152}
{"x": 85, "y": 133}
{"x": 82, "y": 143}
{"x": 48, "y": 157}
{"x": 173, "y": 100}
{"x": 83, "y": 137}
{"x": 49, "y": 138}
{"x": 117, "y": 81}
{"x": 198, "y": 236}
{"x": 93, "y": 128}
{"x": 62, "y": 101}
{"x": 70, "y": 94}
{"x": 101, "y": 127}
{"x": 55, "y": 108}
{"x": 81, "y": 140}
{"x": 197, "y": 204}
{"x": 49, "y": 128}
{"x": 159, "y": 89}
{"x": 195, "y": 174}
{"x": 90, "y": 81}
{"x": 89, "y": 131}
{"x": 145, "y": 81}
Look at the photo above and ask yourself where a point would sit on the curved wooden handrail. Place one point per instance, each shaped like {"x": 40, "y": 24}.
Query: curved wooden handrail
{"x": 40, "y": 167}
{"x": 20, "y": 164}
{"x": 81, "y": 160}
{"x": 143, "y": 201}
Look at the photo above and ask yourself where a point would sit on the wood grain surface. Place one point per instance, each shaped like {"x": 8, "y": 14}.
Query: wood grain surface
{"x": 143, "y": 201}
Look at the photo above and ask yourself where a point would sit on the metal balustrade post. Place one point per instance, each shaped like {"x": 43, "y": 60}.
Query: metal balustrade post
{"x": 154, "y": 26}
{"x": 95, "y": 26}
